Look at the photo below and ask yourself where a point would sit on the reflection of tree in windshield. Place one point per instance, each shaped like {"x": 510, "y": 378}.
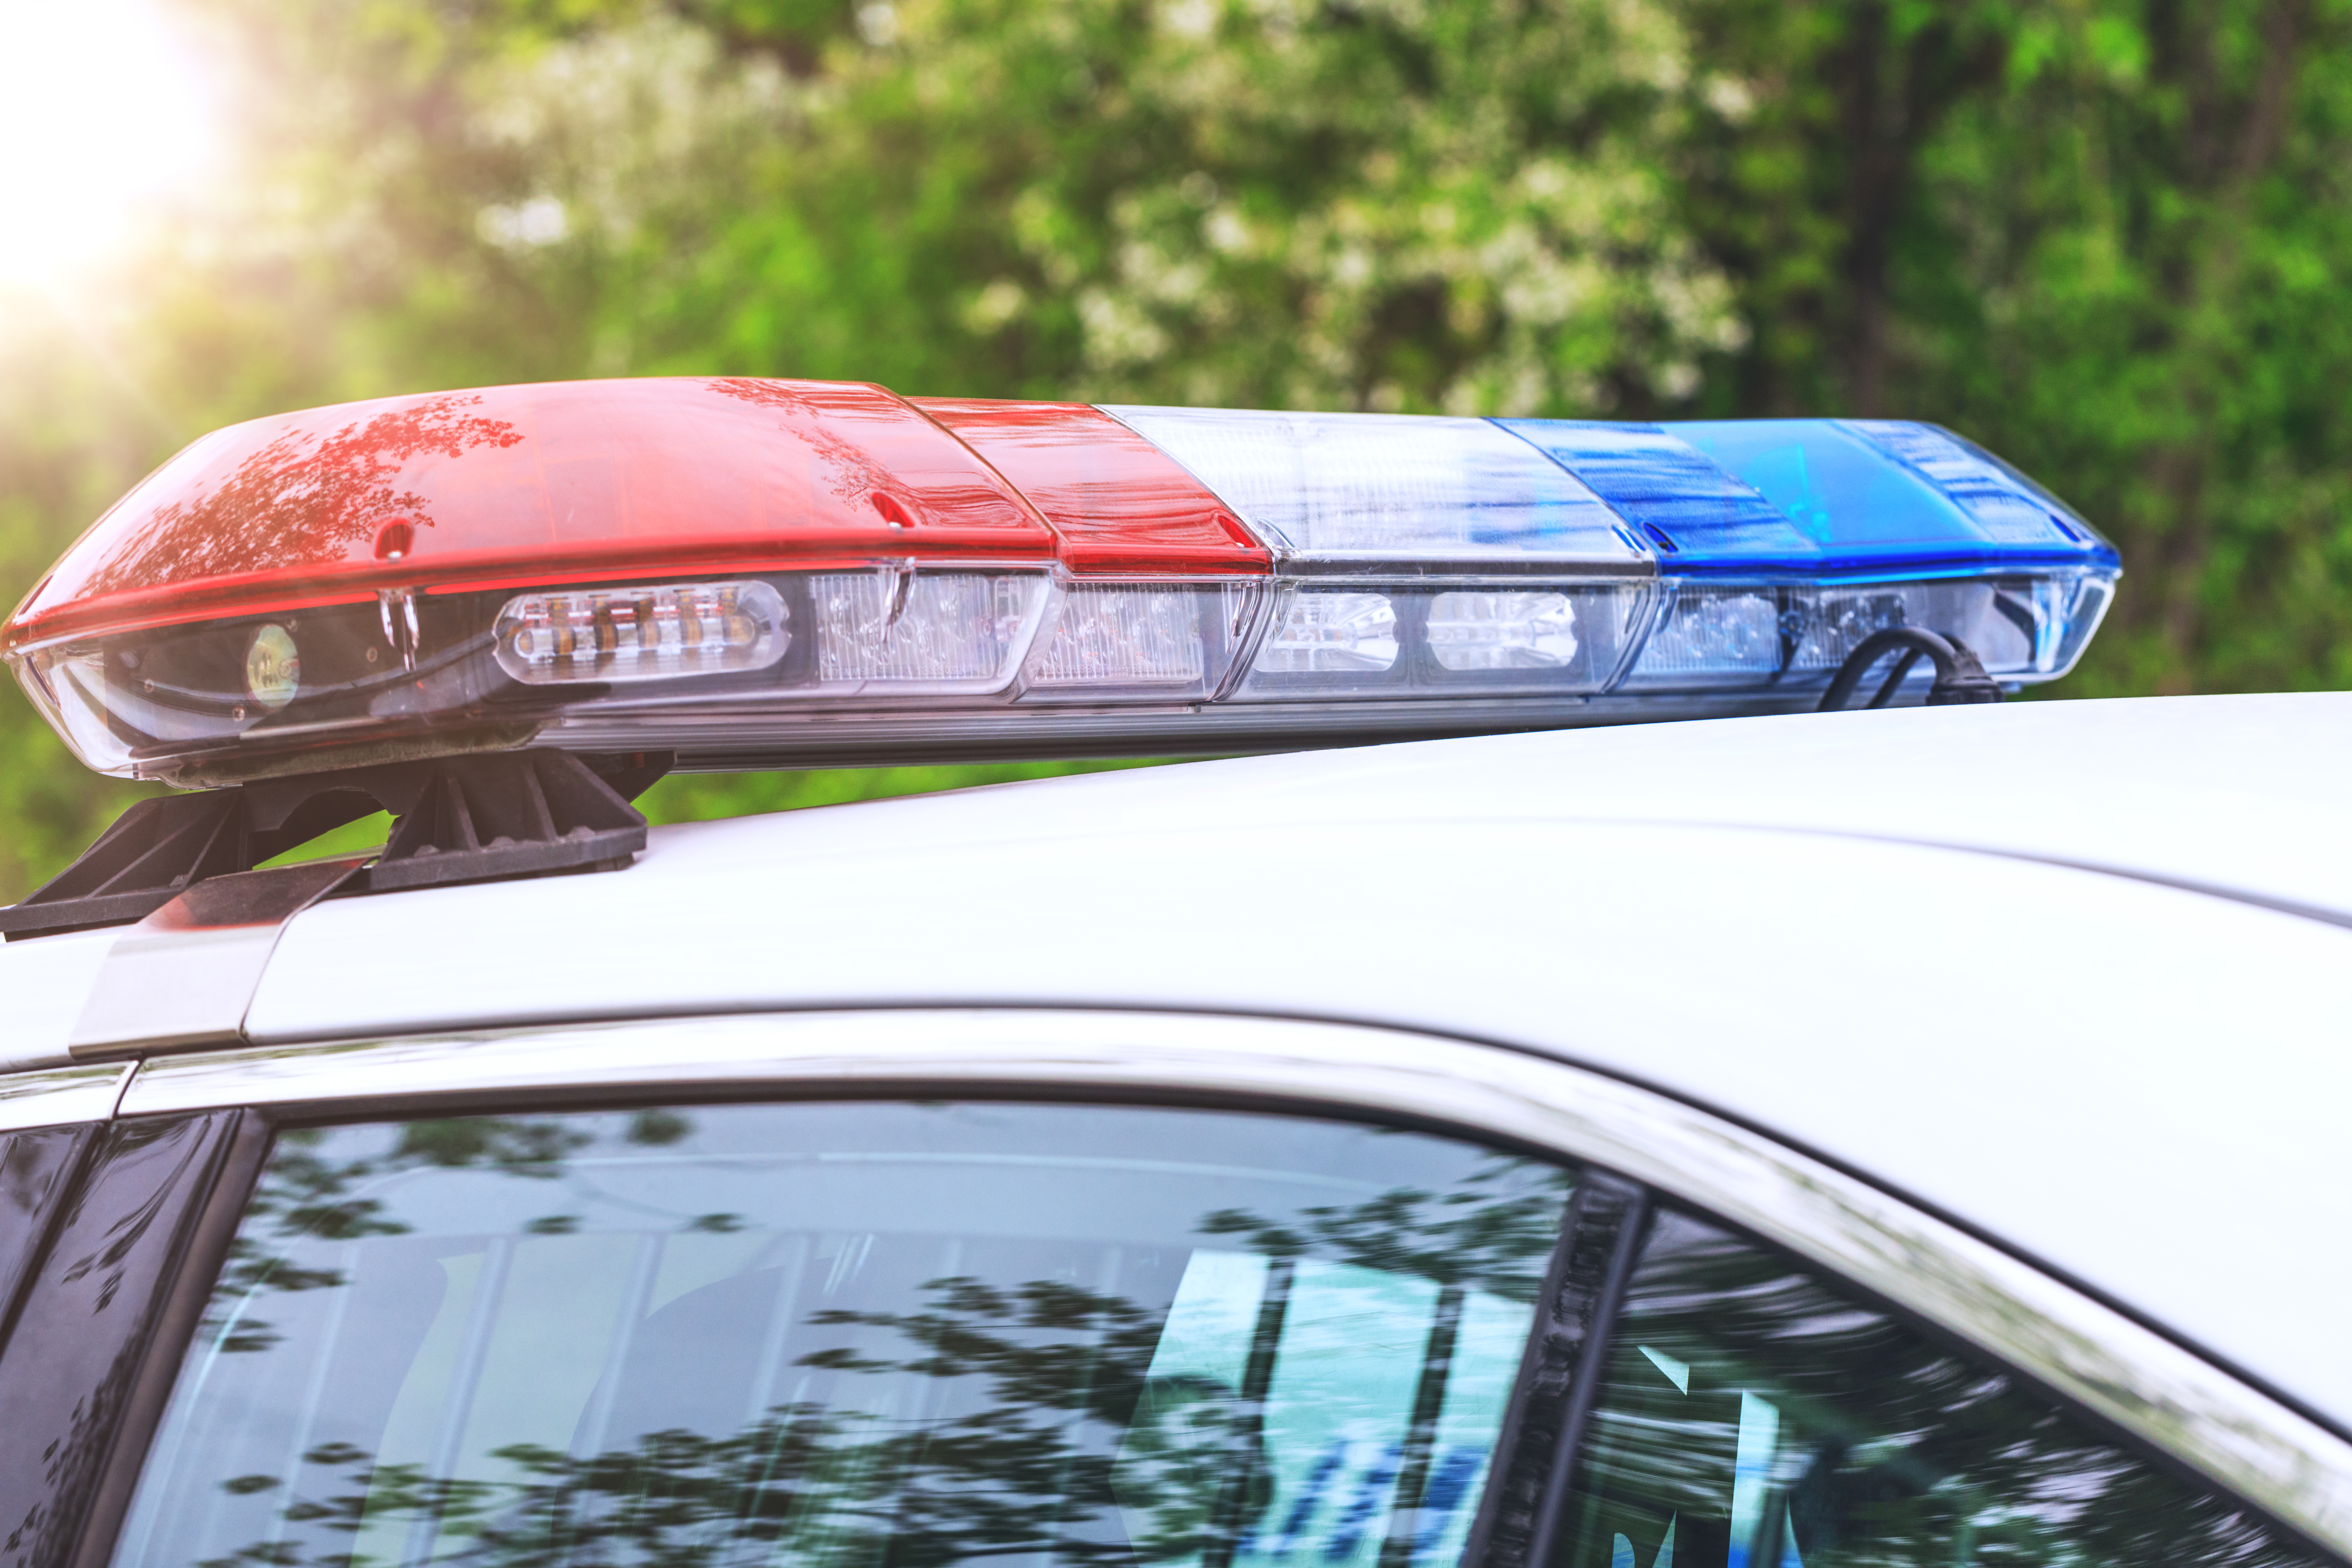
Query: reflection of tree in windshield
{"x": 304, "y": 1198}
{"x": 975, "y": 1417}
{"x": 1024, "y": 1470}
{"x": 1492, "y": 1233}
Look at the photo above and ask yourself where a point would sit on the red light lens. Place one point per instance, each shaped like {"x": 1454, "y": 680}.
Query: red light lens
{"x": 522, "y": 486}
{"x": 1120, "y": 504}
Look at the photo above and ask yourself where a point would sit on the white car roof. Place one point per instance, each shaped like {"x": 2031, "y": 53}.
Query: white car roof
{"x": 1872, "y": 934}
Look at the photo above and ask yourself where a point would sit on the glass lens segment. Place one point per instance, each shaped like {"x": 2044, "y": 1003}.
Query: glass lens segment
{"x": 641, "y": 634}
{"x": 1375, "y": 487}
{"x": 859, "y": 1334}
{"x": 1708, "y": 635}
{"x": 1344, "y": 638}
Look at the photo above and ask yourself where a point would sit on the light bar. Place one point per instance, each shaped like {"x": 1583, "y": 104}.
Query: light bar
{"x": 761, "y": 573}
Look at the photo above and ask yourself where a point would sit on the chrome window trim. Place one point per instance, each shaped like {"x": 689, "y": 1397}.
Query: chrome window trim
{"x": 2240, "y": 1438}
{"x": 55, "y": 1097}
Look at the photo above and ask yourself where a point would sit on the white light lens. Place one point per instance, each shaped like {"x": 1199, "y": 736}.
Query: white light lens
{"x": 1328, "y": 634}
{"x": 1502, "y": 631}
{"x": 1712, "y": 636}
{"x": 1832, "y": 626}
{"x": 2077, "y": 609}
{"x": 69, "y": 686}
{"x": 2005, "y": 626}
{"x": 1715, "y": 637}
{"x": 909, "y": 630}
{"x": 1385, "y": 486}
{"x": 642, "y": 634}
{"x": 1414, "y": 641}
{"x": 273, "y": 666}
{"x": 1111, "y": 637}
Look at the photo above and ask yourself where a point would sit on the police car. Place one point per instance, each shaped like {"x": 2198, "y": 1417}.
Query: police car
{"x": 1543, "y": 1139}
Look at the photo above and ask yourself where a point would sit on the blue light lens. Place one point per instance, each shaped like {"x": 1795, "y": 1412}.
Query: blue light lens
{"x": 1690, "y": 511}
{"x": 1818, "y": 498}
{"x": 1783, "y": 543}
{"x": 2008, "y": 507}
{"x": 1848, "y": 500}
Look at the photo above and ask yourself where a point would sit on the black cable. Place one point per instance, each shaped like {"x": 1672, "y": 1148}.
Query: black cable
{"x": 1960, "y": 675}
{"x": 1893, "y": 681}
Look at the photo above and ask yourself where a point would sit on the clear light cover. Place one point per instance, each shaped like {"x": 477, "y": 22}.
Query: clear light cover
{"x": 1509, "y": 630}
{"x": 1337, "y": 489}
{"x": 904, "y": 631}
{"x": 641, "y": 634}
{"x": 1417, "y": 641}
{"x": 1331, "y": 633}
{"x": 2013, "y": 628}
{"x": 2073, "y": 611}
{"x": 71, "y": 689}
{"x": 1713, "y": 636}
{"x": 1707, "y": 638}
{"x": 1102, "y": 640}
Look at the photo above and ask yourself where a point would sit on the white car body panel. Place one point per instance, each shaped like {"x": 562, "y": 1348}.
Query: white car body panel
{"x": 2139, "y": 1086}
{"x": 43, "y": 986}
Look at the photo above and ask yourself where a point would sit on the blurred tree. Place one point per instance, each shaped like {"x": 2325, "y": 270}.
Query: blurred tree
{"x": 2108, "y": 239}
{"x": 72, "y": 437}
{"x": 1386, "y": 205}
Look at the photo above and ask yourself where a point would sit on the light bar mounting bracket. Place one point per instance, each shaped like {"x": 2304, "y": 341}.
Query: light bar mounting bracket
{"x": 470, "y": 818}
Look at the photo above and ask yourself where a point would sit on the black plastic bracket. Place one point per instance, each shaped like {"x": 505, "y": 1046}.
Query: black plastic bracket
{"x": 473, "y": 818}
{"x": 1960, "y": 675}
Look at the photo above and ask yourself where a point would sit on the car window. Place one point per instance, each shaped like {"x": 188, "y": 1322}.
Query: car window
{"x": 858, "y": 1334}
{"x": 1752, "y": 1416}
{"x": 33, "y": 1165}
{"x": 88, "y": 1303}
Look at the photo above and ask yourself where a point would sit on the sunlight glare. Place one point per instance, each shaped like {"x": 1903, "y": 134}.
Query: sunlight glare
{"x": 107, "y": 113}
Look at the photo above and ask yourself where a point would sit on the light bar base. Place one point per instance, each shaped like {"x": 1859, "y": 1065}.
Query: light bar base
{"x": 473, "y": 818}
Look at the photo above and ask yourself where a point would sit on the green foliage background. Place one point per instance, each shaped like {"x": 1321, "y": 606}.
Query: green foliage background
{"x": 2110, "y": 239}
